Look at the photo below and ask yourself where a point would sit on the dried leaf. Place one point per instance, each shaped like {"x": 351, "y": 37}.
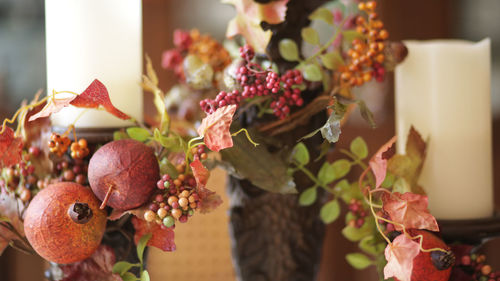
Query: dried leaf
{"x": 410, "y": 210}
{"x": 399, "y": 256}
{"x": 410, "y": 165}
{"x": 97, "y": 267}
{"x": 378, "y": 163}
{"x": 10, "y": 148}
{"x": 209, "y": 199}
{"x": 200, "y": 173}
{"x": 97, "y": 95}
{"x": 215, "y": 128}
{"x": 53, "y": 105}
{"x": 249, "y": 15}
{"x": 10, "y": 212}
{"x": 162, "y": 237}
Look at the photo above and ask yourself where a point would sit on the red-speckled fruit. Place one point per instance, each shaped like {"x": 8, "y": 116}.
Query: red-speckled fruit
{"x": 123, "y": 173}
{"x": 431, "y": 266}
{"x": 63, "y": 222}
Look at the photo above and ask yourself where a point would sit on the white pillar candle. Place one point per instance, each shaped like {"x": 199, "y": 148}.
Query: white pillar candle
{"x": 95, "y": 39}
{"x": 443, "y": 90}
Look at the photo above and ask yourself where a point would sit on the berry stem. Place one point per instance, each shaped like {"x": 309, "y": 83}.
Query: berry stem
{"x": 247, "y": 134}
{"x": 375, "y": 216}
{"x": 106, "y": 198}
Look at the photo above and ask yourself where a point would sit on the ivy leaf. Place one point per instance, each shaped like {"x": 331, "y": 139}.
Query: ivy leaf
{"x": 53, "y": 105}
{"x": 322, "y": 14}
{"x": 289, "y": 50}
{"x": 358, "y": 260}
{"x": 10, "y": 148}
{"x": 215, "y": 128}
{"x": 141, "y": 245}
{"x": 138, "y": 133}
{"x": 341, "y": 167}
{"x": 300, "y": 154}
{"x": 128, "y": 276}
{"x": 249, "y": 15}
{"x": 121, "y": 267}
{"x": 310, "y": 35}
{"x": 378, "y": 163}
{"x": 366, "y": 113}
{"x": 399, "y": 256}
{"x": 409, "y": 166}
{"x": 359, "y": 148}
{"x": 312, "y": 72}
{"x": 410, "y": 210}
{"x": 330, "y": 211}
{"x": 262, "y": 168}
{"x": 326, "y": 173}
{"x": 308, "y": 196}
{"x": 349, "y": 35}
{"x": 97, "y": 95}
{"x": 332, "y": 60}
{"x": 209, "y": 200}
{"x": 162, "y": 238}
{"x": 145, "y": 275}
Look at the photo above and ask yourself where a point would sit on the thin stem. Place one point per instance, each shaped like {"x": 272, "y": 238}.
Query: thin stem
{"x": 247, "y": 134}
{"x": 313, "y": 178}
{"x": 354, "y": 158}
{"x": 375, "y": 216}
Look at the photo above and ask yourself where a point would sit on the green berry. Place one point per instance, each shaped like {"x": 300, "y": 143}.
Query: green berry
{"x": 166, "y": 184}
{"x": 168, "y": 221}
{"x": 191, "y": 212}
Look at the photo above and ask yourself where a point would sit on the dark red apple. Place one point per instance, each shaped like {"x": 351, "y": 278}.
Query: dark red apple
{"x": 123, "y": 173}
{"x": 63, "y": 223}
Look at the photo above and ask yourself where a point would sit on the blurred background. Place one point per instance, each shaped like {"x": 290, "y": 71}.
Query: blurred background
{"x": 203, "y": 246}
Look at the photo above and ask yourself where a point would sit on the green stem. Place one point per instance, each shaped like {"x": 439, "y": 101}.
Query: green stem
{"x": 313, "y": 178}
{"x": 327, "y": 44}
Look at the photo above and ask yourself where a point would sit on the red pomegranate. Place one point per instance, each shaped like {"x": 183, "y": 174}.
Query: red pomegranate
{"x": 63, "y": 222}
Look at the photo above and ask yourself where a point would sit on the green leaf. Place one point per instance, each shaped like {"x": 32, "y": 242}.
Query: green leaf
{"x": 359, "y": 148}
{"x": 355, "y": 234}
{"x": 341, "y": 167}
{"x": 172, "y": 143}
{"x": 331, "y": 130}
{"x": 138, "y": 133}
{"x": 166, "y": 167}
{"x": 121, "y": 267}
{"x": 349, "y": 35}
{"x": 257, "y": 164}
{"x": 127, "y": 276}
{"x": 300, "y": 154}
{"x": 322, "y": 14}
{"x": 330, "y": 211}
{"x": 366, "y": 113}
{"x": 310, "y": 35}
{"x": 358, "y": 260}
{"x": 142, "y": 245}
{"x": 308, "y": 196}
{"x": 145, "y": 276}
{"x": 324, "y": 149}
{"x": 326, "y": 173}
{"x": 389, "y": 180}
{"x": 120, "y": 135}
{"x": 312, "y": 72}
{"x": 332, "y": 60}
{"x": 370, "y": 245}
{"x": 289, "y": 50}
{"x": 401, "y": 186}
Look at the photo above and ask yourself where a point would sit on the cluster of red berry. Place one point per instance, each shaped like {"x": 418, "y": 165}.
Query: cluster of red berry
{"x": 75, "y": 171}
{"x": 480, "y": 270}
{"x": 356, "y": 208}
{"x": 366, "y": 56}
{"x": 199, "y": 152}
{"x": 255, "y": 82}
{"x": 176, "y": 199}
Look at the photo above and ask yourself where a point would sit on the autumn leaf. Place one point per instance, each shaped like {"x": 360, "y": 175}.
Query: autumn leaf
{"x": 399, "y": 255}
{"x": 97, "y": 267}
{"x": 53, "y": 105}
{"x": 409, "y": 165}
{"x": 162, "y": 237}
{"x": 249, "y": 15}
{"x": 209, "y": 199}
{"x": 10, "y": 212}
{"x": 378, "y": 163}
{"x": 10, "y": 148}
{"x": 97, "y": 95}
{"x": 410, "y": 210}
{"x": 215, "y": 128}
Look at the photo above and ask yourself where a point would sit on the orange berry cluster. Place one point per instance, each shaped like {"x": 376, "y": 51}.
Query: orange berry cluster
{"x": 209, "y": 50}
{"x": 366, "y": 54}
{"x": 79, "y": 149}
{"x": 59, "y": 144}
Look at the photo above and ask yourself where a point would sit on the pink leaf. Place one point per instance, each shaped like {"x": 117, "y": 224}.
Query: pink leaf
{"x": 162, "y": 238}
{"x": 97, "y": 267}
{"x": 209, "y": 199}
{"x": 11, "y": 209}
{"x": 409, "y": 210}
{"x": 10, "y": 148}
{"x": 53, "y": 105}
{"x": 399, "y": 256}
{"x": 215, "y": 128}
{"x": 378, "y": 163}
{"x": 249, "y": 15}
{"x": 97, "y": 95}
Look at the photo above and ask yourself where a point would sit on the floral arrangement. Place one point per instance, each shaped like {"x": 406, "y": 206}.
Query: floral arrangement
{"x": 247, "y": 91}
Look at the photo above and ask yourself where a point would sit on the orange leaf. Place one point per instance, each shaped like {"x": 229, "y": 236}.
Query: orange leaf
{"x": 209, "y": 199}
{"x": 10, "y": 148}
{"x": 410, "y": 210}
{"x": 215, "y": 128}
{"x": 162, "y": 237}
{"x": 399, "y": 256}
{"x": 53, "y": 105}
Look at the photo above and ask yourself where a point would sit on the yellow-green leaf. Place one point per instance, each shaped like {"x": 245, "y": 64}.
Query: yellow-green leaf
{"x": 310, "y": 35}
{"x": 289, "y": 50}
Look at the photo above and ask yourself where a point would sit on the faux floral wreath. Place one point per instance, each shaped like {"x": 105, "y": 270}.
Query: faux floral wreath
{"x": 157, "y": 174}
